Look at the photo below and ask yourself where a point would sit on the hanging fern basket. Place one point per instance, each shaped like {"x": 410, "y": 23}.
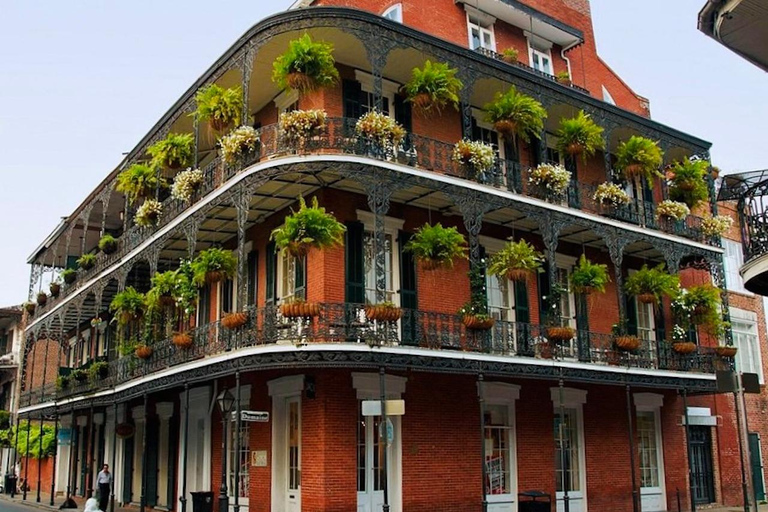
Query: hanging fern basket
{"x": 574, "y": 149}
{"x": 627, "y": 343}
{"x": 505, "y": 127}
{"x": 301, "y": 82}
{"x": 647, "y": 298}
{"x": 685, "y": 347}
{"x": 477, "y": 323}
{"x": 182, "y": 340}
{"x": 519, "y": 274}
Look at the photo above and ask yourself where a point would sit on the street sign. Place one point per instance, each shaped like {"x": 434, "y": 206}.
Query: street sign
{"x": 65, "y": 437}
{"x": 253, "y": 416}
{"x": 393, "y": 407}
{"x": 390, "y": 437}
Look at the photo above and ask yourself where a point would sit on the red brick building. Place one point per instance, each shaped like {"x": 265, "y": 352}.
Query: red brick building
{"x": 477, "y": 416}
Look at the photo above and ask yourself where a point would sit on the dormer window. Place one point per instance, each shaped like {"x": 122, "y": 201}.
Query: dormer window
{"x": 480, "y": 29}
{"x": 394, "y": 13}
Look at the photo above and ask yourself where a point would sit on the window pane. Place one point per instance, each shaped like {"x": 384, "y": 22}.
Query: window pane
{"x": 567, "y": 452}
{"x": 294, "y": 466}
{"x": 497, "y": 449}
{"x": 369, "y": 263}
{"x": 649, "y": 466}
{"x": 475, "y": 37}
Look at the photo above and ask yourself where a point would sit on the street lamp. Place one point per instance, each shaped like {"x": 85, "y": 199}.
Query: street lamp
{"x": 226, "y": 401}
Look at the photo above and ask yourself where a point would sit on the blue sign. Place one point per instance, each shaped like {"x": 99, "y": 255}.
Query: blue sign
{"x": 65, "y": 437}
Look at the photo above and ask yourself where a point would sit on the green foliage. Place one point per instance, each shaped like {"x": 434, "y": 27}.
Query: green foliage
{"x": 438, "y": 81}
{"x": 587, "y": 277}
{"x": 524, "y": 112}
{"x": 139, "y": 181}
{"x": 437, "y": 244}
{"x": 218, "y": 106}
{"x": 128, "y": 346}
{"x": 62, "y": 382}
{"x": 25, "y": 440}
{"x": 688, "y": 182}
{"x": 86, "y": 261}
{"x": 174, "y": 151}
{"x": 68, "y": 275}
{"x": 213, "y": 260}
{"x": 639, "y": 156}
{"x": 176, "y": 284}
{"x": 312, "y": 59}
{"x": 108, "y": 244}
{"x": 579, "y": 134}
{"x": 510, "y": 54}
{"x": 478, "y": 300}
{"x": 98, "y": 370}
{"x": 310, "y": 226}
{"x": 126, "y": 304}
{"x": 655, "y": 281}
{"x": 563, "y": 77}
{"x": 518, "y": 255}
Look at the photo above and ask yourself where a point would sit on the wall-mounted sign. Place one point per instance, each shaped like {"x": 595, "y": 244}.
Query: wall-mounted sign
{"x": 393, "y": 407}
{"x": 253, "y": 416}
{"x": 259, "y": 458}
{"x": 65, "y": 437}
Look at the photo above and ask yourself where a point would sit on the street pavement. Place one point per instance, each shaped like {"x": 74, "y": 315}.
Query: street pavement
{"x": 9, "y": 506}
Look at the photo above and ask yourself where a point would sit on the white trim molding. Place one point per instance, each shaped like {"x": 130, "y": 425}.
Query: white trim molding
{"x": 286, "y": 386}
{"x": 368, "y": 387}
{"x": 648, "y": 401}
{"x": 572, "y": 397}
{"x": 500, "y": 392}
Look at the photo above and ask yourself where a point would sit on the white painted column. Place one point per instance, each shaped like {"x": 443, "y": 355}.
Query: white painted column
{"x": 62, "y": 456}
{"x": 137, "y": 413}
{"x": 80, "y": 455}
{"x": 117, "y": 471}
{"x": 98, "y": 424}
{"x": 199, "y": 443}
{"x": 164, "y": 413}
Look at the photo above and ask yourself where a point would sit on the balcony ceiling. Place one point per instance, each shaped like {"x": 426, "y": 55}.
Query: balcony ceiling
{"x": 740, "y": 25}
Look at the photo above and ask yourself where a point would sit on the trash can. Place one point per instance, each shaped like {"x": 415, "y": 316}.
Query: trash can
{"x": 9, "y": 484}
{"x": 534, "y": 501}
{"x": 202, "y": 501}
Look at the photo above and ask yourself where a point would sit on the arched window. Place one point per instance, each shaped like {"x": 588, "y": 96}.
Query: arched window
{"x": 394, "y": 13}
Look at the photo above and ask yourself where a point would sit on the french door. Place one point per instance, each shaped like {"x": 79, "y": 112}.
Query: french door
{"x": 649, "y": 448}
{"x": 293, "y": 453}
{"x": 370, "y": 468}
{"x": 569, "y": 461}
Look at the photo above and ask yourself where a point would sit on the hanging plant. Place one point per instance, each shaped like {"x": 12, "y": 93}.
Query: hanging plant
{"x": 639, "y": 157}
{"x": 42, "y": 298}
{"x": 55, "y": 288}
{"x": 139, "y": 181}
{"x": 436, "y": 246}
{"x": 30, "y": 307}
{"x": 474, "y": 315}
{"x": 700, "y": 303}
{"x": 432, "y": 88}
{"x": 477, "y": 155}
{"x": 509, "y": 55}
{"x": 163, "y": 291}
{"x": 687, "y": 181}
{"x": 182, "y": 339}
{"x": 87, "y": 261}
{"x": 553, "y": 180}
{"x": 108, "y": 244}
{"x": 579, "y": 136}
{"x": 587, "y": 277}
{"x": 627, "y": 342}
{"x": 514, "y": 114}
{"x": 299, "y": 125}
{"x": 98, "y": 370}
{"x": 238, "y": 144}
{"x": 563, "y": 77}
{"x": 213, "y": 265}
{"x": 299, "y": 308}
{"x": 127, "y": 305}
{"x": 186, "y": 184}
{"x": 649, "y": 285}
{"x": 220, "y": 107}
{"x": 672, "y": 210}
{"x": 309, "y": 227}
{"x": 380, "y": 129}
{"x": 62, "y": 382}
{"x": 69, "y": 275}
{"x": 148, "y": 213}
{"x": 716, "y": 226}
{"x": 383, "y": 312}
{"x": 306, "y": 66}
{"x": 517, "y": 261}
{"x": 175, "y": 151}
{"x": 611, "y": 195}
{"x": 79, "y": 374}
{"x": 234, "y": 320}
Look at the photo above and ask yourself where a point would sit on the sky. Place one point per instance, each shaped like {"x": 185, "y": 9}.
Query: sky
{"x": 82, "y": 81}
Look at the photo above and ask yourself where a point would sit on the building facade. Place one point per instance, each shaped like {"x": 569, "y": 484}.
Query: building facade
{"x": 11, "y": 342}
{"x": 474, "y": 418}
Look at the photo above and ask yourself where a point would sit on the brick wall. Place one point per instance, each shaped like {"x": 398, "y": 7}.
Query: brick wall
{"x": 42, "y": 364}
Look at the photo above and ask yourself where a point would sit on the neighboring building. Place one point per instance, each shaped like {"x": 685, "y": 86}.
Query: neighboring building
{"x": 487, "y": 414}
{"x": 741, "y": 26}
{"x": 11, "y": 340}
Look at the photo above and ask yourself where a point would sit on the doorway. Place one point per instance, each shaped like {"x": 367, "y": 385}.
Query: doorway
{"x": 703, "y": 481}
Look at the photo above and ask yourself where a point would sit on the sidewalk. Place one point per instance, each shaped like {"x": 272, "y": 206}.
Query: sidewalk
{"x": 45, "y": 502}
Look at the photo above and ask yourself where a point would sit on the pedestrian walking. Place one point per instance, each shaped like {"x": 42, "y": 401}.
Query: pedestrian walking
{"x": 104, "y": 480}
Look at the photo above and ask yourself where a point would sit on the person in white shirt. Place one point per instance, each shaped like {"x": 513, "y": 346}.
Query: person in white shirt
{"x": 104, "y": 481}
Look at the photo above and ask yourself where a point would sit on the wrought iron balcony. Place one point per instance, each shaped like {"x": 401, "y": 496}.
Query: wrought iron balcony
{"x": 348, "y": 324}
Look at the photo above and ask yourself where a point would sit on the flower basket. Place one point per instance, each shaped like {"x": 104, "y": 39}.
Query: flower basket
{"x": 628, "y": 343}
{"x": 182, "y": 340}
{"x": 633, "y": 170}
{"x": 234, "y": 320}
{"x": 519, "y": 274}
{"x": 143, "y": 352}
{"x": 478, "y": 322}
{"x": 55, "y": 289}
{"x": 186, "y": 184}
{"x": 684, "y": 347}
{"x": 300, "y": 309}
{"x": 124, "y": 430}
{"x": 726, "y": 351}
{"x": 42, "y": 299}
{"x": 383, "y": 312}
{"x": 647, "y": 298}
{"x": 505, "y": 127}
{"x": 561, "y": 334}
{"x": 213, "y": 276}
{"x": 30, "y": 307}
{"x": 238, "y": 144}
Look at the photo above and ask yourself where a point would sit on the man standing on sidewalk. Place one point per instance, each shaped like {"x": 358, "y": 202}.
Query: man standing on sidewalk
{"x": 104, "y": 480}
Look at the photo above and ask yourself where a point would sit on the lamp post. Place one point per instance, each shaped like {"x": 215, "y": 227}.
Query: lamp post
{"x": 225, "y": 400}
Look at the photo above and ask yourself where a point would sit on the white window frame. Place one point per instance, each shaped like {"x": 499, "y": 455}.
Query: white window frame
{"x": 649, "y": 309}
{"x": 505, "y": 394}
{"x": 652, "y": 402}
{"x": 573, "y": 399}
{"x": 394, "y": 13}
{"x": 285, "y": 291}
{"x": 388, "y": 88}
{"x": 563, "y": 262}
{"x": 245, "y": 404}
{"x": 541, "y": 48}
{"x": 392, "y": 227}
{"x": 492, "y": 246}
{"x": 733, "y": 259}
{"x": 281, "y": 391}
{"x": 484, "y": 26}
{"x": 755, "y": 356}
{"x": 285, "y": 99}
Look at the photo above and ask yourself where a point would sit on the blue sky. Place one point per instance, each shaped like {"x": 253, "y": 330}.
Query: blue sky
{"x": 82, "y": 81}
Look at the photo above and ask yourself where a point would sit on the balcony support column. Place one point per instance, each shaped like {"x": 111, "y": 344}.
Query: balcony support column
{"x": 242, "y": 203}
{"x": 616, "y": 245}
{"x": 247, "y": 70}
{"x": 35, "y": 273}
{"x": 607, "y": 128}
{"x": 467, "y": 77}
{"x": 55, "y": 450}
{"x": 86, "y": 219}
{"x": 717, "y": 270}
{"x": 550, "y": 226}
{"x": 543, "y": 145}
{"x": 190, "y": 228}
{"x": 196, "y": 128}
{"x": 379, "y": 193}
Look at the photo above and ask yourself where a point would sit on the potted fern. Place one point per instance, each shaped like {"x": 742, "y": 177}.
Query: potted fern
{"x": 220, "y": 107}
{"x": 98, "y": 370}
{"x": 213, "y": 265}
{"x": 42, "y": 298}
{"x": 639, "y": 157}
{"x": 579, "y": 136}
{"x": 127, "y": 305}
{"x": 55, "y": 288}
{"x": 649, "y": 285}
{"x": 306, "y": 66}
{"x": 30, "y": 307}
{"x": 139, "y": 181}
{"x": 108, "y": 244}
{"x": 69, "y": 275}
{"x": 563, "y": 77}
{"x": 87, "y": 261}
{"x": 517, "y": 261}
{"x": 436, "y": 246}
{"x": 587, "y": 277}
{"x": 687, "y": 181}
{"x": 433, "y": 87}
{"x": 509, "y": 55}
{"x": 175, "y": 151}
{"x": 516, "y": 115}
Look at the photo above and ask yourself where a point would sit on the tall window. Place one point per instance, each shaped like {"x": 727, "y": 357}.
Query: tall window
{"x": 290, "y": 277}
{"x": 497, "y": 449}
{"x": 567, "y": 452}
{"x": 480, "y": 33}
{"x": 541, "y": 60}
{"x": 394, "y": 13}
{"x": 369, "y": 260}
{"x": 294, "y": 446}
{"x": 500, "y": 303}
{"x": 369, "y": 454}
{"x": 244, "y": 459}
{"x": 734, "y": 259}
{"x": 745, "y": 337}
{"x": 648, "y": 449}
{"x": 567, "y": 300}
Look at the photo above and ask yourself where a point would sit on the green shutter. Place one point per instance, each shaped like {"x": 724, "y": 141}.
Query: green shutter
{"x": 300, "y": 276}
{"x": 403, "y": 114}
{"x": 408, "y": 291}
{"x": 355, "y": 270}
{"x": 543, "y": 292}
{"x": 631, "y": 314}
{"x": 150, "y": 456}
{"x": 659, "y": 321}
{"x": 127, "y": 469}
{"x": 351, "y": 92}
{"x": 253, "y": 268}
{"x": 271, "y": 270}
{"x": 522, "y": 309}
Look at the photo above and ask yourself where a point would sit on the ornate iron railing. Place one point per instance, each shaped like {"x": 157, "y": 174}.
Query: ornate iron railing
{"x": 340, "y": 137}
{"x": 339, "y": 323}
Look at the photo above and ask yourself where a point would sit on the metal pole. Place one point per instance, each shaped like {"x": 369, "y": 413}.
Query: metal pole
{"x": 223, "y": 498}
{"x": 143, "y": 499}
{"x": 55, "y": 451}
{"x": 90, "y": 455}
{"x": 483, "y": 455}
{"x": 15, "y": 451}
{"x": 26, "y": 464}
{"x": 384, "y": 438}
{"x": 39, "y": 459}
{"x": 736, "y": 399}
{"x": 630, "y": 434}
{"x": 564, "y": 473}
{"x": 236, "y": 458}
{"x": 183, "y": 498}
{"x": 114, "y": 459}
{"x": 690, "y": 452}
